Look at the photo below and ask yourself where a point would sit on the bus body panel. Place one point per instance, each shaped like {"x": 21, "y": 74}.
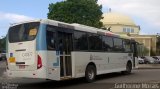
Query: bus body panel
{"x": 22, "y": 54}
{"x": 53, "y": 65}
{"x": 41, "y": 38}
{"x": 36, "y": 73}
{"x": 105, "y": 62}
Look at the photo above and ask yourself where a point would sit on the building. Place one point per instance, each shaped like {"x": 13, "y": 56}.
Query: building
{"x": 124, "y": 25}
{"x": 120, "y": 23}
{"x": 149, "y": 42}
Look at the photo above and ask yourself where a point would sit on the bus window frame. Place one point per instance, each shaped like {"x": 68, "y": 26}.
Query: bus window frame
{"x": 28, "y": 34}
{"x": 54, "y": 36}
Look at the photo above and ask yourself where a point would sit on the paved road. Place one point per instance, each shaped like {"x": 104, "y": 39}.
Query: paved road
{"x": 107, "y": 81}
{"x": 2, "y": 68}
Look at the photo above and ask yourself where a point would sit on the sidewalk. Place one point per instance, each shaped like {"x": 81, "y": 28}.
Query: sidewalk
{"x": 148, "y": 66}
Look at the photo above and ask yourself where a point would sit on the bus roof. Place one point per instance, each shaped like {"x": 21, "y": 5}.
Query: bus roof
{"x": 35, "y": 20}
{"x": 85, "y": 28}
{"x": 74, "y": 26}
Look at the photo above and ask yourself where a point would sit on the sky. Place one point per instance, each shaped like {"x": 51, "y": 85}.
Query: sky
{"x": 145, "y": 13}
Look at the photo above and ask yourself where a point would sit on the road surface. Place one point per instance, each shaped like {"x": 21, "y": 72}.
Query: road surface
{"x": 137, "y": 79}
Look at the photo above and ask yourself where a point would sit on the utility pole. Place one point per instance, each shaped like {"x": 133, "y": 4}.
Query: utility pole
{"x": 158, "y": 44}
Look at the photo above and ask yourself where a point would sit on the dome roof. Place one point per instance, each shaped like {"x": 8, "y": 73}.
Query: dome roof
{"x": 116, "y": 18}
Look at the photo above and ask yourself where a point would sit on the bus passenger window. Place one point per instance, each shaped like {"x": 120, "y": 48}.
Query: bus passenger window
{"x": 107, "y": 43}
{"x": 127, "y": 45}
{"x": 50, "y": 40}
{"x": 118, "y": 45}
{"x": 95, "y": 42}
{"x": 80, "y": 40}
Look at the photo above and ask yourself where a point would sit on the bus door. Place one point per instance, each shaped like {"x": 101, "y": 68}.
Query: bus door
{"x": 135, "y": 53}
{"x": 65, "y": 47}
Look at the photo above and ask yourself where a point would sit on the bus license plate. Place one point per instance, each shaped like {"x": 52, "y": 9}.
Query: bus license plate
{"x": 21, "y": 66}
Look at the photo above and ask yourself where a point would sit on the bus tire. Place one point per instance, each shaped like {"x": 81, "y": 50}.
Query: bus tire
{"x": 90, "y": 73}
{"x": 128, "y": 68}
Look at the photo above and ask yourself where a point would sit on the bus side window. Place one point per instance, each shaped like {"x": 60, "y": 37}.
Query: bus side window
{"x": 80, "y": 40}
{"x": 107, "y": 43}
{"x": 95, "y": 42}
{"x": 127, "y": 45}
{"x": 50, "y": 40}
{"x": 118, "y": 45}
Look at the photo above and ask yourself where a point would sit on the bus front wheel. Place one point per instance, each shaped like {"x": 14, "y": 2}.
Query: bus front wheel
{"x": 90, "y": 73}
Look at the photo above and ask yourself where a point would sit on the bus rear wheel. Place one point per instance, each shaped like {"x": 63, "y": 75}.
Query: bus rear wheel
{"x": 90, "y": 73}
{"x": 128, "y": 68}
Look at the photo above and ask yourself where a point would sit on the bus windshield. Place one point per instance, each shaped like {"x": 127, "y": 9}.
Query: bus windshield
{"x": 23, "y": 32}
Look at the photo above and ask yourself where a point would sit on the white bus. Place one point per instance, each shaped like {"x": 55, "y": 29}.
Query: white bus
{"x": 48, "y": 49}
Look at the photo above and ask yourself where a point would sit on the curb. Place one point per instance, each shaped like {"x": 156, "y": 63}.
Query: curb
{"x": 148, "y": 68}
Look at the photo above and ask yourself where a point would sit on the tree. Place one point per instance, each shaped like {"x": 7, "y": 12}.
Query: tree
{"x": 86, "y": 12}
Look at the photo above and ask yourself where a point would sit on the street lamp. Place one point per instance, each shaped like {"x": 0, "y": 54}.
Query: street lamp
{"x": 158, "y": 35}
{"x": 158, "y": 43}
